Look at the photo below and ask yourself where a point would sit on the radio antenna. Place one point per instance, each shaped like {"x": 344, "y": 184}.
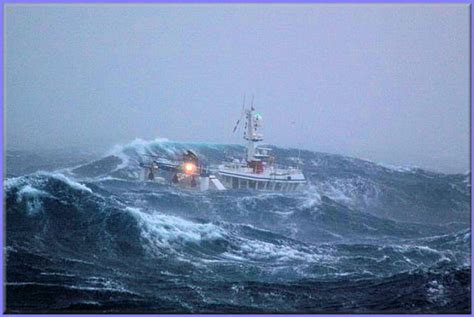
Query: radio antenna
{"x": 241, "y": 115}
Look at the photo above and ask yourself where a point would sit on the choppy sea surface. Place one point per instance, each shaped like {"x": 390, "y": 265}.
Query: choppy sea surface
{"x": 83, "y": 235}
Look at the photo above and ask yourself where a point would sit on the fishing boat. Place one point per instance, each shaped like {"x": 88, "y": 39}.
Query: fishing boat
{"x": 256, "y": 170}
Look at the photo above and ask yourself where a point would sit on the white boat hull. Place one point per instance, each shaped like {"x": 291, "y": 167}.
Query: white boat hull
{"x": 269, "y": 181}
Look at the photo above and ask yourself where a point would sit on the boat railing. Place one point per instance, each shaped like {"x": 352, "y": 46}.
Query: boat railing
{"x": 286, "y": 169}
{"x": 277, "y": 170}
{"x": 233, "y": 165}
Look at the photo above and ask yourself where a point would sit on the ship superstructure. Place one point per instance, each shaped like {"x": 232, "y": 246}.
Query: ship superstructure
{"x": 258, "y": 169}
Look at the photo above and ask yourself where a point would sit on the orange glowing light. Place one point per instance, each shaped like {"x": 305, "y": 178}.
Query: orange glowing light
{"x": 189, "y": 168}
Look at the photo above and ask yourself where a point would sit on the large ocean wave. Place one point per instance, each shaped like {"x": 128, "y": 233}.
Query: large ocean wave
{"x": 94, "y": 238}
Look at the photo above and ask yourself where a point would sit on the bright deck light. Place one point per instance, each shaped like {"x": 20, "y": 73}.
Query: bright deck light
{"x": 189, "y": 168}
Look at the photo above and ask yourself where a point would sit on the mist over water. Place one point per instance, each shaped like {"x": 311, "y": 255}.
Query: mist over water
{"x": 388, "y": 83}
{"x": 363, "y": 237}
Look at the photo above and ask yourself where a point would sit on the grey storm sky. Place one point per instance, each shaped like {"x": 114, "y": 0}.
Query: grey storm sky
{"x": 384, "y": 82}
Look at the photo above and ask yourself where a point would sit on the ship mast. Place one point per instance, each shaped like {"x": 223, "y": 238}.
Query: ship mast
{"x": 250, "y": 132}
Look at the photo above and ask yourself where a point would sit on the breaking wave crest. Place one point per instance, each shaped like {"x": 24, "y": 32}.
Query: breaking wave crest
{"x": 106, "y": 239}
